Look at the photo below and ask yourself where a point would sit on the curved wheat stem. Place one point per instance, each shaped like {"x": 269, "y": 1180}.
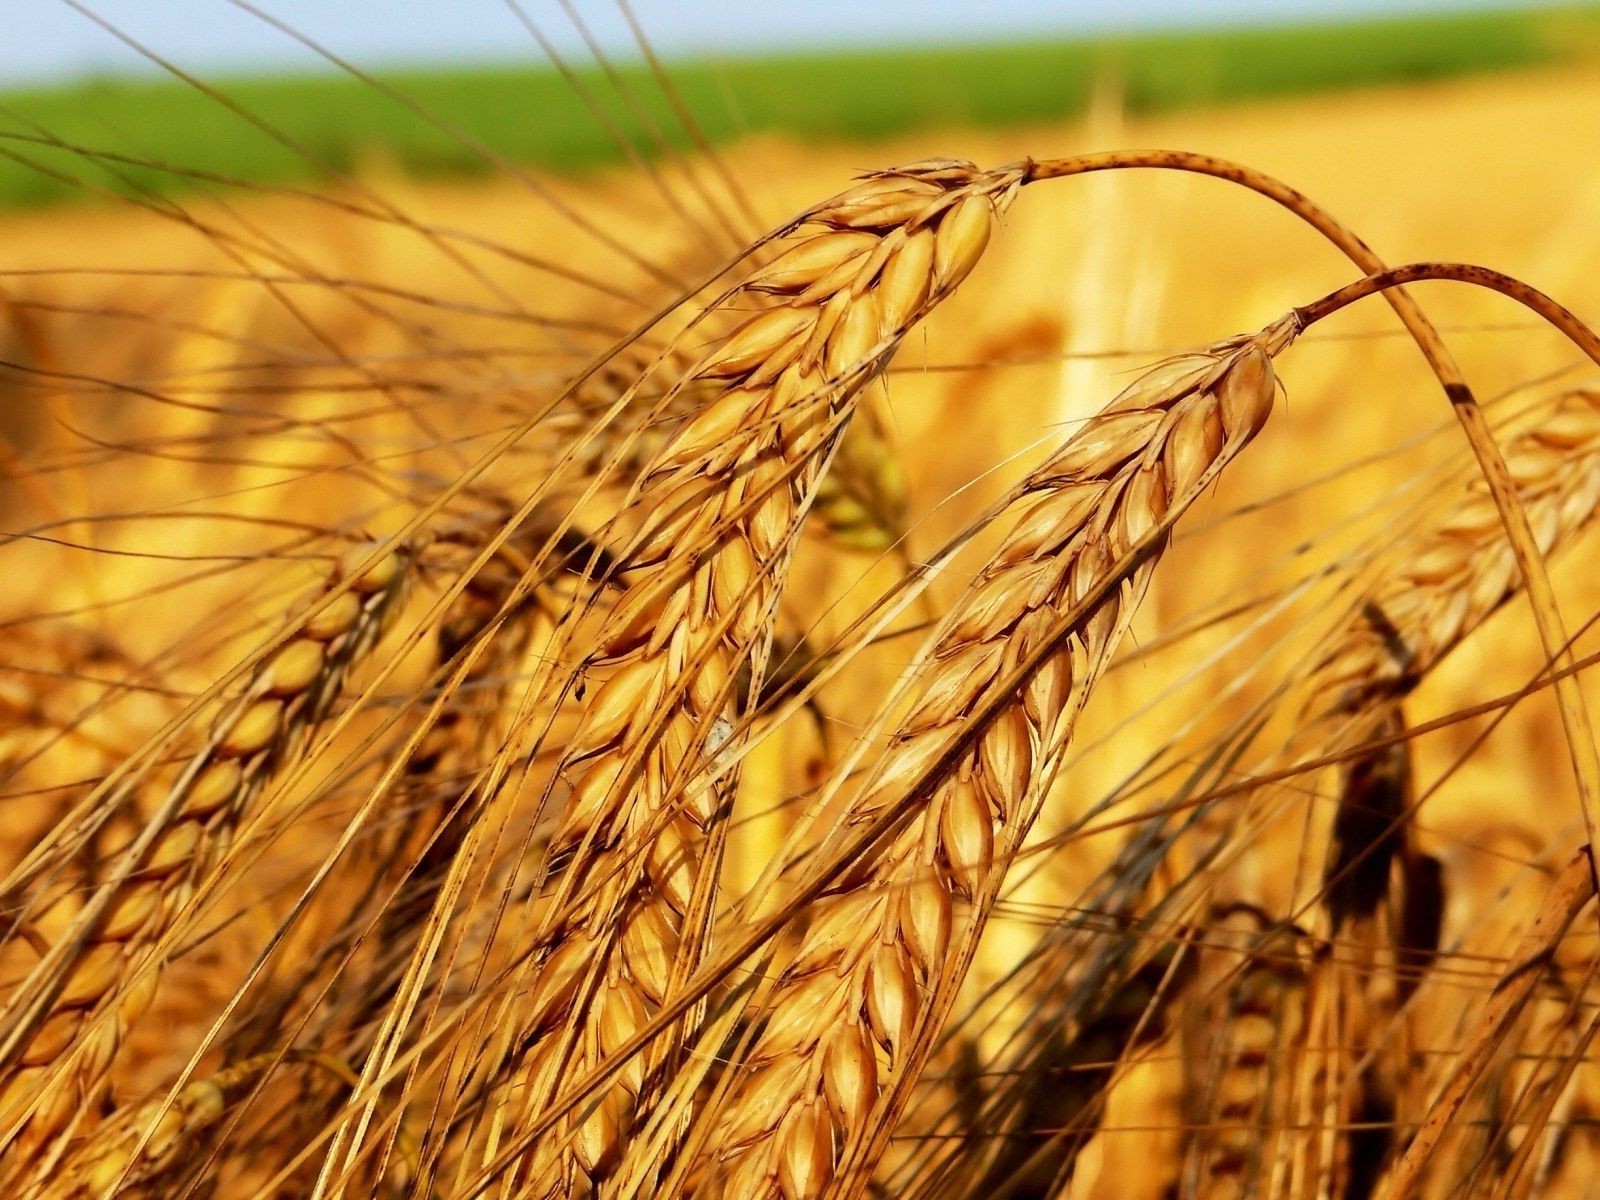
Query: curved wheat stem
{"x": 1584, "y": 755}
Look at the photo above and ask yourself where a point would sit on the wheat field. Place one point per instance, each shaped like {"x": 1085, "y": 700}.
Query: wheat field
{"x": 814, "y": 670}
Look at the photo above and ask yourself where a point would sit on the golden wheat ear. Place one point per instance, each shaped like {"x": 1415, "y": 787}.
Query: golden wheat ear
{"x": 852, "y": 1014}
{"x": 65, "y": 1025}
{"x": 713, "y": 515}
{"x": 1244, "y": 1028}
{"x": 1051, "y": 1093}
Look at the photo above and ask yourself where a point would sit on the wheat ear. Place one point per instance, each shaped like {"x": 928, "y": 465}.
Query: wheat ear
{"x": 1242, "y": 1030}
{"x": 852, "y": 1015}
{"x": 859, "y": 502}
{"x": 1438, "y": 586}
{"x": 140, "y": 1150}
{"x": 1055, "y": 1089}
{"x": 854, "y": 276}
{"x": 134, "y": 1152}
{"x": 62, "y": 1029}
{"x": 1432, "y": 590}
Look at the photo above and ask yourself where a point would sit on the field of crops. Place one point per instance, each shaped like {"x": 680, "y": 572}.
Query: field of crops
{"x": 443, "y": 121}
{"x": 765, "y": 675}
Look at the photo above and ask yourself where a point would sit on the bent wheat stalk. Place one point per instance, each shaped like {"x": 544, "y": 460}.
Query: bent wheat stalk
{"x": 1585, "y": 757}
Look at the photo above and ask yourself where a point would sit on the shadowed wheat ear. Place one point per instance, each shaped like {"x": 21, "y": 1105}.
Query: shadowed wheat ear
{"x": 1024, "y": 1134}
{"x": 720, "y": 505}
{"x": 1429, "y": 592}
{"x": 482, "y": 639}
{"x": 481, "y": 642}
{"x": 1432, "y": 590}
{"x": 63, "y": 1025}
{"x": 139, "y": 1151}
{"x": 989, "y": 708}
{"x": 134, "y": 1152}
{"x": 1243, "y": 1033}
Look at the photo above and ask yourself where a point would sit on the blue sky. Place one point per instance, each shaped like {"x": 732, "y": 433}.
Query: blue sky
{"x": 47, "y": 39}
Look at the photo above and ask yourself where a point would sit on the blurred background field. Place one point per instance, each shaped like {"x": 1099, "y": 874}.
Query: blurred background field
{"x": 187, "y": 301}
{"x": 834, "y": 94}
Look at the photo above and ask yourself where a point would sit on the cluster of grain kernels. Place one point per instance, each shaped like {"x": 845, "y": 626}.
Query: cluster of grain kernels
{"x": 1241, "y": 1054}
{"x": 731, "y": 480}
{"x": 112, "y": 981}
